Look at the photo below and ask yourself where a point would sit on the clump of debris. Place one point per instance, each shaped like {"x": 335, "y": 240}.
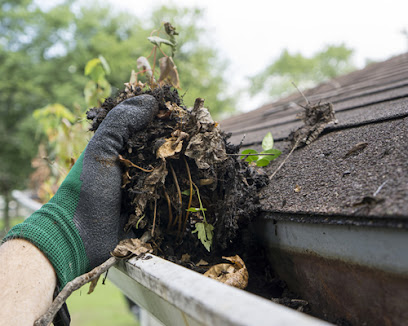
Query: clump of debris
{"x": 180, "y": 182}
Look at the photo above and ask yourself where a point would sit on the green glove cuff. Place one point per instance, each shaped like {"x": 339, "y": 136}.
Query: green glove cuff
{"x": 52, "y": 229}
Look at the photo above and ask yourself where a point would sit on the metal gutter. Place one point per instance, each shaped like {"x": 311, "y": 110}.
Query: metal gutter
{"x": 178, "y": 296}
{"x": 355, "y": 273}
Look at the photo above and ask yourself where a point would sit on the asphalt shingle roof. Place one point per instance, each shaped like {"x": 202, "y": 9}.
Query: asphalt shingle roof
{"x": 372, "y": 109}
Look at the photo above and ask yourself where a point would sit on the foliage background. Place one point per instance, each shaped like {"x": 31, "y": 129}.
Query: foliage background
{"x": 43, "y": 55}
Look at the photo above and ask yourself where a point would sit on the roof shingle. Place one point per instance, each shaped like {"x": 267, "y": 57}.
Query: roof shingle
{"x": 372, "y": 108}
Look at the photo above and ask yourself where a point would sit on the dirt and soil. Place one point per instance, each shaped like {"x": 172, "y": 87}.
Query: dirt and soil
{"x": 164, "y": 165}
{"x": 182, "y": 161}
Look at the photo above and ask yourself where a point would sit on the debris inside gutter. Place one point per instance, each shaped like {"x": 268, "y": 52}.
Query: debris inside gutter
{"x": 182, "y": 188}
{"x": 192, "y": 200}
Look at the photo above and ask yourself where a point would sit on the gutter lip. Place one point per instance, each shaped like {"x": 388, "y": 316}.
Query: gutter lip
{"x": 203, "y": 300}
{"x": 394, "y": 222}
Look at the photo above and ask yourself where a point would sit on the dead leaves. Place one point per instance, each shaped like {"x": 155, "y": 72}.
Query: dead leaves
{"x": 235, "y": 274}
{"x": 208, "y": 146}
{"x": 144, "y": 65}
{"x": 206, "y": 149}
{"x": 172, "y": 145}
{"x": 168, "y": 72}
{"x": 169, "y": 148}
{"x": 316, "y": 118}
{"x": 131, "y": 247}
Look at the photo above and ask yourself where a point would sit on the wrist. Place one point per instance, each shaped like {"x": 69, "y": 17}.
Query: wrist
{"x": 52, "y": 230}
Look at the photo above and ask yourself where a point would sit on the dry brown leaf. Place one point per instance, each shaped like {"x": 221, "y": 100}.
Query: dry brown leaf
{"x": 158, "y": 175}
{"x": 144, "y": 65}
{"x": 163, "y": 114}
{"x": 202, "y": 262}
{"x": 168, "y": 71}
{"x": 131, "y": 247}
{"x": 185, "y": 258}
{"x": 133, "y": 77}
{"x": 175, "y": 109}
{"x": 235, "y": 274}
{"x": 167, "y": 150}
{"x": 92, "y": 284}
{"x": 206, "y": 149}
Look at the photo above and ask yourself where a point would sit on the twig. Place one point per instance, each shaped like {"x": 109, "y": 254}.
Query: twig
{"x": 252, "y": 154}
{"x": 301, "y": 93}
{"x": 379, "y": 188}
{"x": 75, "y": 284}
{"x": 284, "y": 161}
{"x": 178, "y": 219}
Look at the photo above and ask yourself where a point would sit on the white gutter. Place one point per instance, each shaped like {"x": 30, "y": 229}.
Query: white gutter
{"x": 177, "y": 296}
{"x": 375, "y": 247}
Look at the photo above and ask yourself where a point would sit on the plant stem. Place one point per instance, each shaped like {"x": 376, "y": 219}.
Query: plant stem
{"x": 166, "y": 195}
{"x": 126, "y": 161}
{"x": 178, "y": 219}
{"x": 154, "y": 64}
{"x": 191, "y": 194}
{"x": 154, "y": 215}
{"x": 201, "y": 204}
{"x": 286, "y": 158}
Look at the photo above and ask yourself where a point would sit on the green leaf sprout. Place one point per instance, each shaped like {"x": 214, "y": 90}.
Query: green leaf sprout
{"x": 262, "y": 159}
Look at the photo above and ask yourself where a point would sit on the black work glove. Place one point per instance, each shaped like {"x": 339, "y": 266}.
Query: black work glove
{"x": 81, "y": 224}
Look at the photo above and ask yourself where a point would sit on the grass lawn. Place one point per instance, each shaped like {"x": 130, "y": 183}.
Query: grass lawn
{"x": 105, "y": 306}
{"x": 13, "y": 221}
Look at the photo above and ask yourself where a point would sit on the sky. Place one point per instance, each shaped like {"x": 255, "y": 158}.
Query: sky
{"x": 251, "y": 34}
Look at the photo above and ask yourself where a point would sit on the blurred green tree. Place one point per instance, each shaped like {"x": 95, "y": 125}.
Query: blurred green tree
{"x": 43, "y": 53}
{"x": 305, "y": 72}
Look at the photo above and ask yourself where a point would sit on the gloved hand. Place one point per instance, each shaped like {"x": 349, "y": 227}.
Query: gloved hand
{"x": 81, "y": 224}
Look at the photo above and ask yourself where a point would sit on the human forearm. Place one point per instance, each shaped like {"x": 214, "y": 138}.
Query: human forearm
{"x": 27, "y": 283}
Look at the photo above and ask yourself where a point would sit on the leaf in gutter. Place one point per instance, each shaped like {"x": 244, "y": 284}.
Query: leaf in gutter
{"x": 168, "y": 149}
{"x": 202, "y": 262}
{"x": 204, "y": 233}
{"x": 185, "y": 258}
{"x": 131, "y": 247}
{"x": 195, "y": 209}
{"x": 187, "y": 192}
{"x": 235, "y": 274}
